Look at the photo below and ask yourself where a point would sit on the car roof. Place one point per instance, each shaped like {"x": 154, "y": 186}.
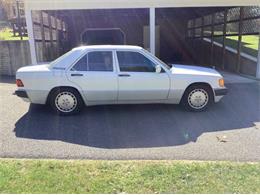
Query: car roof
{"x": 108, "y": 47}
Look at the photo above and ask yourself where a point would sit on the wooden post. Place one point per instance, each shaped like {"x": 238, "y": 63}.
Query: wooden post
{"x": 239, "y": 44}
{"x": 57, "y": 35}
{"x": 202, "y": 27}
{"x": 23, "y": 30}
{"x": 29, "y": 23}
{"x": 224, "y": 39}
{"x": 51, "y": 38}
{"x": 258, "y": 60}
{"x": 63, "y": 35}
{"x": 19, "y": 20}
{"x": 193, "y": 41}
{"x": 212, "y": 37}
{"x": 202, "y": 35}
{"x": 13, "y": 26}
{"x": 43, "y": 35}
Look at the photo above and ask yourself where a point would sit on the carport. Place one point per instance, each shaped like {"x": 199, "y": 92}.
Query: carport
{"x": 177, "y": 31}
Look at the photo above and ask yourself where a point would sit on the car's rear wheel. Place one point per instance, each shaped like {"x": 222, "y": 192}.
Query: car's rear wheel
{"x": 66, "y": 101}
{"x": 197, "y": 98}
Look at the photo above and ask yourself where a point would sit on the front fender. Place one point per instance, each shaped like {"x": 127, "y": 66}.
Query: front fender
{"x": 180, "y": 84}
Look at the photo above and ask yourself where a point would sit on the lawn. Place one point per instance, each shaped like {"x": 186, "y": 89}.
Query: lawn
{"x": 249, "y": 43}
{"x": 58, "y": 176}
{"x": 6, "y": 34}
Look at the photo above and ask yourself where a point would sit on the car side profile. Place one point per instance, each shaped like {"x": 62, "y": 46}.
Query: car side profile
{"x": 98, "y": 75}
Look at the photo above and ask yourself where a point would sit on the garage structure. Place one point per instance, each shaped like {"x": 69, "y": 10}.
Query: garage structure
{"x": 177, "y": 31}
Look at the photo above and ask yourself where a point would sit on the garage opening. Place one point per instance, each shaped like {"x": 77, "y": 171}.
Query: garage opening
{"x": 224, "y": 37}
{"x": 103, "y": 37}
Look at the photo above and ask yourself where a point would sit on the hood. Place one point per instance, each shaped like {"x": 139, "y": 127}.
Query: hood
{"x": 193, "y": 70}
{"x": 34, "y": 68}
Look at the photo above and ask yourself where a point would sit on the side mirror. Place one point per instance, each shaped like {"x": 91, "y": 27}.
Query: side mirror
{"x": 158, "y": 69}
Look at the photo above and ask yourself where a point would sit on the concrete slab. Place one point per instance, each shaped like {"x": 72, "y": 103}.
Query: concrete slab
{"x": 229, "y": 130}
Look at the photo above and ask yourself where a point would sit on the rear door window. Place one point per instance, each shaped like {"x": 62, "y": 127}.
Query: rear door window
{"x": 95, "y": 61}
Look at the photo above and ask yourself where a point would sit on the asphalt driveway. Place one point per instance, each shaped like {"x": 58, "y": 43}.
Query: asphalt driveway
{"x": 229, "y": 130}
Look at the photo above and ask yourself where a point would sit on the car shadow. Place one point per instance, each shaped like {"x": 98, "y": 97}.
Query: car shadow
{"x": 143, "y": 126}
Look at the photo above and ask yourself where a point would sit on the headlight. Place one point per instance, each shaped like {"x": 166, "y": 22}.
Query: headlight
{"x": 221, "y": 82}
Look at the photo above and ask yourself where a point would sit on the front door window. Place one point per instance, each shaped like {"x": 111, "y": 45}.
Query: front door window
{"x": 134, "y": 62}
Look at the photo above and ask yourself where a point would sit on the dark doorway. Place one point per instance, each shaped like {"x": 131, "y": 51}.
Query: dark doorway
{"x": 103, "y": 37}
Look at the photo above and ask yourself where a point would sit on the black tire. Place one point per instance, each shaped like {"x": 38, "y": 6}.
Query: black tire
{"x": 66, "y": 97}
{"x": 206, "y": 92}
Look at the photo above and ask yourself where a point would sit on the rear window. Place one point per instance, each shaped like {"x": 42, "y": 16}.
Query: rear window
{"x": 67, "y": 59}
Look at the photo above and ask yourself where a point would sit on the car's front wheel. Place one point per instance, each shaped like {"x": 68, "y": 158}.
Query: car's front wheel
{"x": 197, "y": 98}
{"x": 66, "y": 101}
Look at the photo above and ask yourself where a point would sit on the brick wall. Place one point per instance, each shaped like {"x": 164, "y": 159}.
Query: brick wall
{"x": 13, "y": 55}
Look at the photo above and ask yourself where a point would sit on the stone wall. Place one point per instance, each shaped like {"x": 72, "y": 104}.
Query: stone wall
{"x": 13, "y": 55}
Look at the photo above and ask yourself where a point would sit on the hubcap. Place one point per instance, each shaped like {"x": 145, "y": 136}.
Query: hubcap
{"x": 66, "y": 102}
{"x": 198, "y": 98}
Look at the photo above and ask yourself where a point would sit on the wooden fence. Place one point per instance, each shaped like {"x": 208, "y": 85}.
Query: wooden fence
{"x": 13, "y": 55}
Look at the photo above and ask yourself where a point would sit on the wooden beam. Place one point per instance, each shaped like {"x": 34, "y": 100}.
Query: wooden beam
{"x": 258, "y": 60}
{"x": 51, "y": 37}
{"x": 113, "y": 4}
{"x": 202, "y": 35}
{"x": 202, "y": 27}
{"x": 19, "y": 20}
{"x": 29, "y": 23}
{"x": 57, "y": 35}
{"x": 43, "y": 35}
{"x": 212, "y": 39}
{"x": 224, "y": 39}
{"x": 239, "y": 45}
{"x": 63, "y": 35}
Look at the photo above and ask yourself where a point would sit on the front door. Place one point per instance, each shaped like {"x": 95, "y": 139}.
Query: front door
{"x": 96, "y": 75}
{"x": 138, "y": 80}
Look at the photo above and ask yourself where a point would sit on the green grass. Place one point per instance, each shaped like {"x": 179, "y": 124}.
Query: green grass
{"x": 6, "y": 34}
{"x": 56, "y": 176}
{"x": 249, "y": 43}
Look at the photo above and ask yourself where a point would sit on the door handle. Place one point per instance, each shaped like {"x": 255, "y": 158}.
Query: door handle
{"x": 76, "y": 75}
{"x": 124, "y": 75}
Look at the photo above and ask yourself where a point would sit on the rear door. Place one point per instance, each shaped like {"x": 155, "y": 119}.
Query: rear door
{"x": 95, "y": 73}
{"x": 138, "y": 80}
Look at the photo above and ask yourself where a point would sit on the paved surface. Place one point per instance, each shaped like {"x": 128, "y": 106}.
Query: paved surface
{"x": 229, "y": 130}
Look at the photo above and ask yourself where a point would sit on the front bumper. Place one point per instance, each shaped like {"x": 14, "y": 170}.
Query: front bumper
{"x": 221, "y": 92}
{"x": 21, "y": 93}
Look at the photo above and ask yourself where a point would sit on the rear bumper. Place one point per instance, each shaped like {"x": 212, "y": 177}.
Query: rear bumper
{"x": 221, "y": 92}
{"x": 21, "y": 93}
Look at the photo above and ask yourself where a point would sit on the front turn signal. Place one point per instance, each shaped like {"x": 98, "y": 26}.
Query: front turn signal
{"x": 221, "y": 82}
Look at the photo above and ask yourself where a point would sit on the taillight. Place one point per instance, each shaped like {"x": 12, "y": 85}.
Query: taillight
{"x": 19, "y": 83}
